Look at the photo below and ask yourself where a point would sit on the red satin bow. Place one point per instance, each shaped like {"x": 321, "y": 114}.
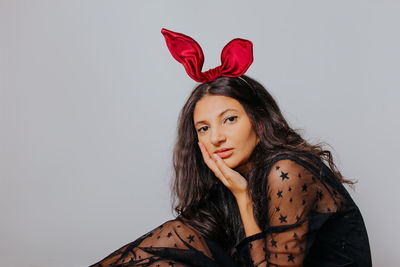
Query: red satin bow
{"x": 236, "y": 57}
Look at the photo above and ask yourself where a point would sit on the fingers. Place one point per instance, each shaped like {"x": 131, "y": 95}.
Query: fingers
{"x": 233, "y": 177}
{"x": 233, "y": 180}
{"x": 211, "y": 163}
{"x": 225, "y": 169}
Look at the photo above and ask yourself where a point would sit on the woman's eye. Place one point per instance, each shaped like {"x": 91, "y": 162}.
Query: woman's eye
{"x": 231, "y": 119}
{"x": 202, "y": 128}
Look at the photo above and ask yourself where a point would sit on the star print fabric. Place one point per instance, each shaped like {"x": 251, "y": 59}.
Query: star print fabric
{"x": 172, "y": 239}
{"x": 311, "y": 220}
{"x": 292, "y": 193}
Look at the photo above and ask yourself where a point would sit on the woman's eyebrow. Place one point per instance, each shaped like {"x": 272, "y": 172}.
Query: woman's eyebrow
{"x": 220, "y": 114}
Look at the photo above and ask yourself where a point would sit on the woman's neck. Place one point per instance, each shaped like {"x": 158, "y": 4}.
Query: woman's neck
{"x": 244, "y": 169}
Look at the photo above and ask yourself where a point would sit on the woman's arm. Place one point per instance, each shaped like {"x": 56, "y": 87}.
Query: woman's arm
{"x": 247, "y": 214}
{"x": 291, "y": 194}
{"x": 238, "y": 185}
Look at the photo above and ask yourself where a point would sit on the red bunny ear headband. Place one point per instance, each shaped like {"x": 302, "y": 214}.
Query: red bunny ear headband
{"x": 236, "y": 57}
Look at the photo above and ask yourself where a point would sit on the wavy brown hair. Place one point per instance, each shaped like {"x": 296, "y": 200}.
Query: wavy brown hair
{"x": 198, "y": 197}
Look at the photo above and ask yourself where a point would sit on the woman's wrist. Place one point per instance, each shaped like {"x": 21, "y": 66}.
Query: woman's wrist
{"x": 245, "y": 203}
{"x": 246, "y": 209}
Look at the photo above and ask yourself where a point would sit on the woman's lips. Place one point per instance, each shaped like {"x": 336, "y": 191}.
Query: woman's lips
{"x": 225, "y": 154}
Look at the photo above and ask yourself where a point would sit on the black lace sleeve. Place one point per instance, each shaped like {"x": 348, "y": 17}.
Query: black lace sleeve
{"x": 293, "y": 193}
{"x": 171, "y": 244}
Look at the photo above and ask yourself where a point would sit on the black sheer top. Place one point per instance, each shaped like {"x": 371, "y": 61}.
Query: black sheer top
{"x": 311, "y": 220}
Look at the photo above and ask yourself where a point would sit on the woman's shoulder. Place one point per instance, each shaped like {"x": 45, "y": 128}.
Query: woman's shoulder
{"x": 296, "y": 162}
{"x": 288, "y": 170}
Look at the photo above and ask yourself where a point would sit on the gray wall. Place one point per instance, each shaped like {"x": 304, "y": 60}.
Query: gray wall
{"x": 89, "y": 99}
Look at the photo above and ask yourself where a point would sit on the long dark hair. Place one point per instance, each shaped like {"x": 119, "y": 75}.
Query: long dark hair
{"x": 198, "y": 197}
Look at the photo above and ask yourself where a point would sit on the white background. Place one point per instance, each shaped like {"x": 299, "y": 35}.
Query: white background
{"x": 90, "y": 96}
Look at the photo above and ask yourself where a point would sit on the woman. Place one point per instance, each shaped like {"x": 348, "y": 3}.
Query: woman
{"x": 248, "y": 189}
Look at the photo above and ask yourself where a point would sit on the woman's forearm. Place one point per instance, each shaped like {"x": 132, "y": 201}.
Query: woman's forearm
{"x": 247, "y": 214}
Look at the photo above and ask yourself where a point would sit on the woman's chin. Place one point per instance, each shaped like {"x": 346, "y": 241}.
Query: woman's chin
{"x": 230, "y": 163}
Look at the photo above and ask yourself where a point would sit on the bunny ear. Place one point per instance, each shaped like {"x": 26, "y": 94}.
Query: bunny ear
{"x": 187, "y": 52}
{"x": 236, "y": 57}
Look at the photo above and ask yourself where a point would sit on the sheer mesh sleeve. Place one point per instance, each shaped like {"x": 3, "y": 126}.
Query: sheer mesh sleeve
{"x": 292, "y": 193}
{"x": 171, "y": 244}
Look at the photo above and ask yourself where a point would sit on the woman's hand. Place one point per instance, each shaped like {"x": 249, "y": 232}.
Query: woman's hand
{"x": 235, "y": 182}
{"x": 232, "y": 179}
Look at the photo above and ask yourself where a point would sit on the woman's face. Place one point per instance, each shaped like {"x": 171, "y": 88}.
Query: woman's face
{"x": 222, "y": 123}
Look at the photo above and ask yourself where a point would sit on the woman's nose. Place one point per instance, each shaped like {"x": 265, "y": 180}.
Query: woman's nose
{"x": 217, "y": 136}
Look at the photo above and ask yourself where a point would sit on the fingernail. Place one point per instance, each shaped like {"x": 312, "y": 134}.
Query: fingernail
{"x": 216, "y": 156}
